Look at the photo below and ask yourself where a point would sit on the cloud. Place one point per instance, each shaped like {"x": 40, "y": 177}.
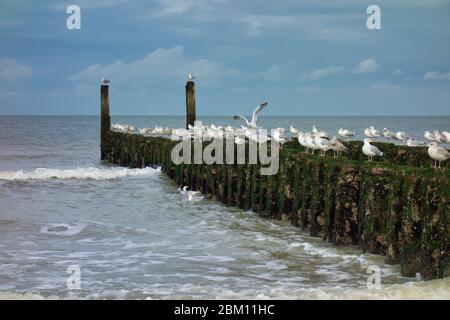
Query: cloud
{"x": 312, "y": 25}
{"x": 399, "y": 72}
{"x": 11, "y": 69}
{"x": 435, "y": 75}
{"x": 325, "y": 72}
{"x": 273, "y": 73}
{"x": 366, "y": 66}
{"x": 159, "y": 65}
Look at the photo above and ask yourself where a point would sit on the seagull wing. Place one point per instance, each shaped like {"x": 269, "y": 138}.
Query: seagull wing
{"x": 375, "y": 150}
{"x": 443, "y": 152}
{"x": 257, "y": 110}
{"x": 239, "y": 117}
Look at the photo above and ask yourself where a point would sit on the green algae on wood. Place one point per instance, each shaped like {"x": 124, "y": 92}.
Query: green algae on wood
{"x": 397, "y": 206}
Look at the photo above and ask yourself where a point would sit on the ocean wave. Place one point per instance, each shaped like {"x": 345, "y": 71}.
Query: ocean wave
{"x": 438, "y": 289}
{"x": 76, "y": 174}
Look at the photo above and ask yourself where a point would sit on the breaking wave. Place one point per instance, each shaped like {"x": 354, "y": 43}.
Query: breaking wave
{"x": 76, "y": 174}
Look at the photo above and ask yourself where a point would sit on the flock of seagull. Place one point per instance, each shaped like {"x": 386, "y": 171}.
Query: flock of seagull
{"x": 314, "y": 140}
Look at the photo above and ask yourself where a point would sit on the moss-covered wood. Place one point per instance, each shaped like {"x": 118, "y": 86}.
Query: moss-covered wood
{"x": 398, "y": 207}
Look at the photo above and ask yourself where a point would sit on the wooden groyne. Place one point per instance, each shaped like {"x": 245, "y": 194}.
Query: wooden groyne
{"x": 397, "y": 207}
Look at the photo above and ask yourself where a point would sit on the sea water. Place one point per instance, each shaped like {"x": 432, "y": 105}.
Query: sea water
{"x": 132, "y": 235}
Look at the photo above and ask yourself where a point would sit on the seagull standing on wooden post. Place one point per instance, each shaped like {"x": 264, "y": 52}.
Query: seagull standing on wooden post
{"x": 371, "y": 151}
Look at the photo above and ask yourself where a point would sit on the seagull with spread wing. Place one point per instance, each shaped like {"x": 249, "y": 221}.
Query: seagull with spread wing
{"x": 252, "y": 124}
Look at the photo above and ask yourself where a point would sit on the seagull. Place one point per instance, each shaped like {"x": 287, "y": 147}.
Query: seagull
{"x": 344, "y": 133}
{"x": 322, "y": 144}
{"x": 301, "y": 140}
{"x": 320, "y": 133}
{"x": 437, "y": 153}
{"x": 374, "y": 132}
{"x": 183, "y": 190}
{"x": 446, "y": 135}
{"x": 389, "y": 134}
{"x": 191, "y": 77}
{"x": 438, "y": 137}
{"x": 252, "y": 124}
{"x": 429, "y": 136}
{"x": 371, "y": 151}
{"x": 105, "y": 81}
{"x": 293, "y": 130}
{"x": 337, "y": 147}
{"x": 309, "y": 141}
{"x": 191, "y": 195}
{"x": 402, "y": 136}
{"x": 278, "y": 135}
{"x": 239, "y": 140}
{"x": 413, "y": 143}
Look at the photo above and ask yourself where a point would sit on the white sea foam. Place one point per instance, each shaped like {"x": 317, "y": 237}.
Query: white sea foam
{"x": 62, "y": 229}
{"x": 76, "y": 174}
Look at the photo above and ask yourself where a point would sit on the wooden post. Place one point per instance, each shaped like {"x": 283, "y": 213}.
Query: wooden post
{"x": 105, "y": 125}
{"x": 190, "y": 103}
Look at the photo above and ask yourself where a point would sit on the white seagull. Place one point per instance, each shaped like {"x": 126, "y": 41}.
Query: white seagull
{"x": 389, "y": 134}
{"x": 293, "y": 130}
{"x": 252, "y": 124}
{"x": 437, "y": 153}
{"x": 371, "y": 151}
{"x": 239, "y": 140}
{"x": 278, "y": 135}
{"x": 402, "y": 136}
{"x": 191, "y": 77}
{"x": 429, "y": 136}
{"x": 319, "y": 133}
{"x": 321, "y": 144}
{"x": 438, "y": 136}
{"x": 105, "y": 81}
{"x": 414, "y": 143}
{"x": 191, "y": 195}
{"x": 374, "y": 132}
{"x": 309, "y": 141}
{"x": 446, "y": 135}
{"x": 301, "y": 140}
{"x": 344, "y": 133}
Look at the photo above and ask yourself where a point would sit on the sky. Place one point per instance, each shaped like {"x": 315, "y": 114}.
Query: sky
{"x": 303, "y": 57}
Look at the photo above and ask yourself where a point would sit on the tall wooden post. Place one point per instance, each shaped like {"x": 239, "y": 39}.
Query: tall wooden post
{"x": 190, "y": 103}
{"x": 105, "y": 125}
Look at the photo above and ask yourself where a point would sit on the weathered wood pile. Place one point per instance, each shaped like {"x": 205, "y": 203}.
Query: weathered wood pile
{"x": 397, "y": 207}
